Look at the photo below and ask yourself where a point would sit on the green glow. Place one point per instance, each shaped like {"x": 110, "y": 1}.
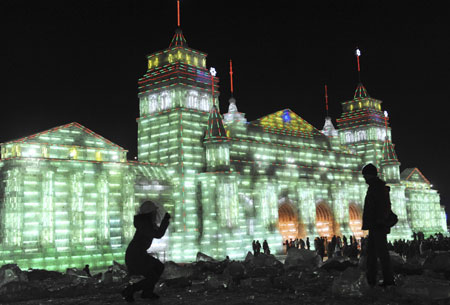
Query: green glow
{"x": 69, "y": 195}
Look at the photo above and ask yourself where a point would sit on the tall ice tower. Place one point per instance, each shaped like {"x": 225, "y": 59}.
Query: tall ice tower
{"x": 176, "y": 95}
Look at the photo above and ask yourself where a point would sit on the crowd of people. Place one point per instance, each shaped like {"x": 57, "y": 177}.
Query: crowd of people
{"x": 337, "y": 246}
{"x": 257, "y": 247}
{"x": 419, "y": 245}
{"x": 353, "y": 247}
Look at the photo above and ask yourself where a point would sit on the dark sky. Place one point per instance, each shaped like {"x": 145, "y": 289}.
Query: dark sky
{"x": 65, "y": 61}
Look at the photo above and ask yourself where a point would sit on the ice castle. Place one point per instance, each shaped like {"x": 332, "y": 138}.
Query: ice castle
{"x": 68, "y": 195}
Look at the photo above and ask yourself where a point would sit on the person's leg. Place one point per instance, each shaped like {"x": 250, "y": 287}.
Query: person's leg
{"x": 371, "y": 264}
{"x": 141, "y": 266}
{"x": 154, "y": 273}
{"x": 385, "y": 259}
{"x": 128, "y": 292}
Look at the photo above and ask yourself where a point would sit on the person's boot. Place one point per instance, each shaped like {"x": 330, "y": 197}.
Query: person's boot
{"x": 387, "y": 284}
{"x": 128, "y": 293}
{"x": 149, "y": 294}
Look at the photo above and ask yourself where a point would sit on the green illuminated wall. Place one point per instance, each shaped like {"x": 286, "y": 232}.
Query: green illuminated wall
{"x": 68, "y": 195}
{"x": 68, "y": 198}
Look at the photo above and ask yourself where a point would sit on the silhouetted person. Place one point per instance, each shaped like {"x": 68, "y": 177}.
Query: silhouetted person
{"x": 322, "y": 247}
{"x": 334, "y": 242}
{"x": 308, "y": 245}
{"x": 266, "y": 247}
{"x": 330, "y": 250}
{"x": 287, "y": 245}
{"x": 302, "y": 244}
{"x": 86, "y": 269}
{"x": 138, "y": 261}
{"x": 254, "y": 247}
{"x": 377, "y": 207}
{"x": 258, "y": 247}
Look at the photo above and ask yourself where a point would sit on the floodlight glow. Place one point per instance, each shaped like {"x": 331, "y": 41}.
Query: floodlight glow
{"x": 68, "y": 195}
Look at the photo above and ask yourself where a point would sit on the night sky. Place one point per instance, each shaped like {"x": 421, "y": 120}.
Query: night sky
{"x": 66, "y": 61}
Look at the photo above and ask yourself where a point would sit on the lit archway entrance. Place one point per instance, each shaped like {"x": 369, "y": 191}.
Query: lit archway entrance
{"x": 355, "y": 221}
{"x": 324, "y": 221}
{"x": 287, "y": 222}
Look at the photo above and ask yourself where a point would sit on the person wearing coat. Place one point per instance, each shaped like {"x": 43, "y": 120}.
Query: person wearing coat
{"x": 377, "y": 207}
{"x": 137, "y": 260}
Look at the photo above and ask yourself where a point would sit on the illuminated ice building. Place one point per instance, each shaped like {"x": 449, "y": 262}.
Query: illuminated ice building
{"x": 68, "y": 195}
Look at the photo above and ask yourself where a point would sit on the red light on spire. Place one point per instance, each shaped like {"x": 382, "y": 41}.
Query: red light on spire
{"x": 231, "y": 76}
{"x": 212, "y": 71}
{"x": 178, "y": 12}
{"x": 358, "y": 54}
{"x": 385, "y": 123}
{"x": 326, "y": 99}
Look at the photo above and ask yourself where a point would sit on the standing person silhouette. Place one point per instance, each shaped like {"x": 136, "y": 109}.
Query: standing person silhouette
{"x": 137, "y": 260}
{"x": 377, "y": 207}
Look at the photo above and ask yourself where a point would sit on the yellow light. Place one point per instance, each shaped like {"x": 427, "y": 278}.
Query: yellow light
{"x": 149, "y": 64}
{"x": 98, "y": 155}
{"x": 73, "y": 153}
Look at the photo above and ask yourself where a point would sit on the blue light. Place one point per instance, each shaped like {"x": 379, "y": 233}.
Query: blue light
{"x": 286, "y": 116}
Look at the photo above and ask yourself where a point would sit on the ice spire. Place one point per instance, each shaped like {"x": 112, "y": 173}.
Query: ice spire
{"x": 215, "y": 130}
{"x": 178, "y": 39}
{"x": 233, "y": 114}
{"x": 388, "y": 151}
{"x": 328, "y": 127}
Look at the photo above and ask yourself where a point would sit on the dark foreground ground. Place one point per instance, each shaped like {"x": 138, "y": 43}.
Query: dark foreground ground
{"x": 234, "y": 297}
{"x": 262, "y": 280}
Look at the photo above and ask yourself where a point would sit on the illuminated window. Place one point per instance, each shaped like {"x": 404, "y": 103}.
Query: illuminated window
{"x": 73, "y": 153}
{"x": 204, "y": 103}
{"x": 152, "y": 103}
{"x": 166, "y": 101}
{"x": 192, "y": 100}
{"x": 98, "y": 155}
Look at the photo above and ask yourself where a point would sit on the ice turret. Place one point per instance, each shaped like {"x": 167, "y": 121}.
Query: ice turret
{"x": 390, "y": 166}
{"x": 217, "y": 143}
{"x": 328, "y": 128}
{"x": 233, "y": 114}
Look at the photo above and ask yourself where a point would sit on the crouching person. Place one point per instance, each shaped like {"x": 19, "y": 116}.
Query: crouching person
{"x": 137, "y": 260}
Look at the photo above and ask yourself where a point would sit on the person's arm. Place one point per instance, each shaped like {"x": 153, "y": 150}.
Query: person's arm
{"x": 163, "y": 226}
{"x": 383, "y": 204}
